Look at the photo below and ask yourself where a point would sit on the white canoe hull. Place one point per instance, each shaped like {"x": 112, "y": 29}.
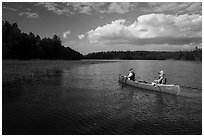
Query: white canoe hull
{"x": 166, "y": 88}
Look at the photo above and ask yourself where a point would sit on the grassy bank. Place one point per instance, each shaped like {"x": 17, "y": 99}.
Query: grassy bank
{"x": 18, "y": 72}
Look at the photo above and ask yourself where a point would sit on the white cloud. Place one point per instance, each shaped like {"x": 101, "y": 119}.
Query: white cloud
{"x": 66, "y": 33}
{"x": 151, "y": 28}
{"x": 29, "y": 15}
{"x": 81, "y": 36}
{"x": 108, "y": 31}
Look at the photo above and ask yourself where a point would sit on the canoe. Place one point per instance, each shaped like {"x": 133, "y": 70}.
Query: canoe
{"x": 166, "y": 88}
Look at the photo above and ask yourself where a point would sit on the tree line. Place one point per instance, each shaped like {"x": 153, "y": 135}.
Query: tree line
{"x": 20, "y": 45}
{"x": 147, "y": 55}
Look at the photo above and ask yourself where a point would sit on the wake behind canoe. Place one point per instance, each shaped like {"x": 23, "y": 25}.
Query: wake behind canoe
{"x": 166, "y": 88}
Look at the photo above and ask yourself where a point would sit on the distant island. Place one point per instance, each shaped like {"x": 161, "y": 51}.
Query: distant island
{"x": 22, "y": 46}
{"x": 148, "y": 55}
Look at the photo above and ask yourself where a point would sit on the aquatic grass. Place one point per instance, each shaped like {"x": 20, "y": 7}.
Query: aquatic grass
{"x": 18, "y": 72}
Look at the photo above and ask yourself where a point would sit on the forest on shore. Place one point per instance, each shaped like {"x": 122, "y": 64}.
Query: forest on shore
{"x": 23, "y": 46}
{"x": 20, "y": 45}
{"x": 148, "y": 55}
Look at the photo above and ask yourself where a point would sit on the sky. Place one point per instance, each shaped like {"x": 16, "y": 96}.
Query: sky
{"x": 111, "y": 26}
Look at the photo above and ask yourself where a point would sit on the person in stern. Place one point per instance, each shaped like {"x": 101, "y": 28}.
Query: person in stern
{"x": 131, "y": 75}
{"x": 162, "y": 78}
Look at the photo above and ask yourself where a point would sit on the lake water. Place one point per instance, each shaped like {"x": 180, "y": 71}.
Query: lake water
{"x": 88, "y": 99}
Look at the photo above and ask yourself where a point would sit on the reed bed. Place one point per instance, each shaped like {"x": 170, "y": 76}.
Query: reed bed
{"x": 18, "y": 72}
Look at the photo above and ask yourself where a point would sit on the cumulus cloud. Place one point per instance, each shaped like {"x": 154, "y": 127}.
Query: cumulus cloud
{"x": 151, "y": 29}
{"x": 66, "y": 33}
{"x": 81, "y": 36}
{"x": 29, "y": 15}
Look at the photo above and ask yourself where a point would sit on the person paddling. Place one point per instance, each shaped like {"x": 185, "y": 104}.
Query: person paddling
{"x": 162, "y": 78}
{"x": 131, "y": 75}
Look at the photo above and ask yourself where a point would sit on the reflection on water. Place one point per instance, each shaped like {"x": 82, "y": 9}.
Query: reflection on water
{"x": 88, "y": 99}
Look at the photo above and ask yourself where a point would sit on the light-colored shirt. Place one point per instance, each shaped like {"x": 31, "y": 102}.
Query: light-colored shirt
{"x": 130, "y": 74}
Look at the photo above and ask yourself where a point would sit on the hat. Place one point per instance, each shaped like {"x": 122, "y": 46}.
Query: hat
{"x": 130, "y": 69}
{"x": 161, "y": 72}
